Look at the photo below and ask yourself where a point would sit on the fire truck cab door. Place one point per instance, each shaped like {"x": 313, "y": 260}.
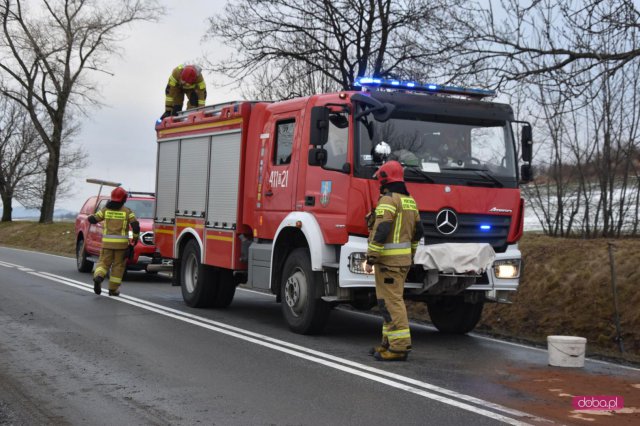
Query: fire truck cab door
{"x": 327, "y": 187}
{"x": 280, "y": 158}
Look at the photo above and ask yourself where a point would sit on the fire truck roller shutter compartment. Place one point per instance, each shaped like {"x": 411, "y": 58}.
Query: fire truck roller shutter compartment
{"x": 167, "y": 179}
{"x": 194, "y": 157}
{"x": 224, "y": 178}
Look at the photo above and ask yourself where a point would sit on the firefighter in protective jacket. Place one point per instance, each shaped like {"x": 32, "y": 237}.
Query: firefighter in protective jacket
{"x": 395, "y": 231}
{"x": 115, "y": 240}
{"x": 185, "y": 80}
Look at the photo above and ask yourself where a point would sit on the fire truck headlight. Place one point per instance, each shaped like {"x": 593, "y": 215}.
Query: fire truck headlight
{"x": 357, "y": 262}
{"x": 508, "y": 268}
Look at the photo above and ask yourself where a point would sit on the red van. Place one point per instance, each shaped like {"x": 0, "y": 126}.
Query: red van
{"x": 89, "y": 237}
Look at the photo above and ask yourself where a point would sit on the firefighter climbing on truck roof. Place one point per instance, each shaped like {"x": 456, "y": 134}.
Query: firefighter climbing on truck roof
{"x": 395, "y": 231}
{"x": 185, "y": 80}
{"x": 115, "y": 240}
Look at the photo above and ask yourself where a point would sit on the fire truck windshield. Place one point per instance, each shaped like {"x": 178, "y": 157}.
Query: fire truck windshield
{"x": 451, "y": 151}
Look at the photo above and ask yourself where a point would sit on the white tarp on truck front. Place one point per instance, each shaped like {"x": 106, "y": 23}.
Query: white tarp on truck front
{"x": 456, "y": 258}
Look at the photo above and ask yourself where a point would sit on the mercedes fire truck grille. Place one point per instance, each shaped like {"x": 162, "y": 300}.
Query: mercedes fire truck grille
{"x": 466, "y": 228}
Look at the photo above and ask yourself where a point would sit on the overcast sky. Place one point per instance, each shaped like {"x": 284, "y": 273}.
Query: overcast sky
{"x": 120, "y": 137}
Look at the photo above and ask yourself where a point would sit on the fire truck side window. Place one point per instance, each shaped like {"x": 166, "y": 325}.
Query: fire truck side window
{"x": 336, "y": 146}
{"x": 284, "y": 142}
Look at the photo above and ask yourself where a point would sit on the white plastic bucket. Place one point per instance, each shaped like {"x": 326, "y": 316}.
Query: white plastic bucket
{"x": 566, "y": 351}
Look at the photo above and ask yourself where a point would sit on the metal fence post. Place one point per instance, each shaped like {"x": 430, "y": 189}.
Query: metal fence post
{"x": 615, "y": 296}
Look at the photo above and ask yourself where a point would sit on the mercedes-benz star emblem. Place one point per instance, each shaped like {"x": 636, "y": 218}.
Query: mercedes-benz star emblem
{"x": 446, "y": 222}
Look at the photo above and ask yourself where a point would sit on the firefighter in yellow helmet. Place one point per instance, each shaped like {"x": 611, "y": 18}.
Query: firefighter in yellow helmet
{"x": 395, "y": 231}
{"x": 185, "y": 80}
{"x": 115, "y": 240}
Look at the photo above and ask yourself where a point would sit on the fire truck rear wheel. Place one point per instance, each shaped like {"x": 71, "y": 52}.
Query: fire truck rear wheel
{"x": 453, "y": 315}
{"x": 197, "y": 281}
{"x": 82, "y": 263}
{"x": 301, "y": 291}
{"x": 225, "y": 288}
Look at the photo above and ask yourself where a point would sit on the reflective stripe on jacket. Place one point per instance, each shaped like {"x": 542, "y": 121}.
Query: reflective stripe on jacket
{"x": 391, "y": 240}
{"x": 115, "y": 231}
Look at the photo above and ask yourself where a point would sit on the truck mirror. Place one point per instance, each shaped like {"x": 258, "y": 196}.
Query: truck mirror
{"x": 317, "y": 157}
{"x": 319, "y": 126}
{"x": 381, "y": 111}
{"x": 339, "y": 120}
{"x": 384, "y": 114}
{"x": 526, "y": 140}
{"x": 526, "y": 173}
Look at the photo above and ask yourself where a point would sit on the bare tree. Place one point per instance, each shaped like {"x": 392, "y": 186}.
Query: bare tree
{"x": 338, "y": 40}
{"x": 294, "y": 81}
{"x": 46, "y": 56}
{"x": 561, "y": 44}
{"x": 23, "y": 160}
{"x": 616, "y": 116}
{"x": 31, "y": 189}
{"x": 22, "y": 153}
{"x": 590, "y": 159}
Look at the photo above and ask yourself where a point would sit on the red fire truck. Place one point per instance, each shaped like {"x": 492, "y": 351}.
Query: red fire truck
{"x": 273, "y": 195}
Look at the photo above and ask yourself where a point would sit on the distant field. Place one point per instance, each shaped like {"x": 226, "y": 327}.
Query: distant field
{"x": 565, "y": 289}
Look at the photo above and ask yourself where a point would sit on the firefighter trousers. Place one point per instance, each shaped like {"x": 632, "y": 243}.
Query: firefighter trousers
{"x": 177, "y": 94}
{"x": 113, "y": 259}
{"x": 389, "y": 292}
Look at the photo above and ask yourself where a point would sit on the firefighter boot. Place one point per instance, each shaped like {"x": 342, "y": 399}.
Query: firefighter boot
{"x": 381, "y": 348}
{"x": 97, "y": 284}
{"x": 389, "y": 355}
{"x": 114, "y": 292}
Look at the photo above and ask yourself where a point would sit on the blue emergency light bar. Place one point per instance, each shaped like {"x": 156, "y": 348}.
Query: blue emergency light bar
{"x": 383, "y": 83}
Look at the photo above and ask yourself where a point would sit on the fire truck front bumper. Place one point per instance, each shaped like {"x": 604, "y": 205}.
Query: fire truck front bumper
{"x": 503, "y": 275}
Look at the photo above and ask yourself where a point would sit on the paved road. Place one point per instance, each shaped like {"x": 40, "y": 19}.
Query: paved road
{"x": 68, "y": 356}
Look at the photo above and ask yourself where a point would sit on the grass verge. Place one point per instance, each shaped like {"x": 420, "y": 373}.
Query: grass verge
{"x": 55, "y": 238}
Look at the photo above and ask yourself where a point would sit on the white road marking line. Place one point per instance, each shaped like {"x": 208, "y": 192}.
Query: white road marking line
{"x": 316, "y": 356}
{"x": 39, "y": 252}
{"x": 261, "y": 293}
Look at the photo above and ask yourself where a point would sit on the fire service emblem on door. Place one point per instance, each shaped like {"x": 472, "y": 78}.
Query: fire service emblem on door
{"x": 325, "y": 192}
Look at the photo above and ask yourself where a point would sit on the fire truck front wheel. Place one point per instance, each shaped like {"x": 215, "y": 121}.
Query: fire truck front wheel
{"x": 197, "y": 281}
{"x": 451, "y": 314}
{"x": 301, "y": 291}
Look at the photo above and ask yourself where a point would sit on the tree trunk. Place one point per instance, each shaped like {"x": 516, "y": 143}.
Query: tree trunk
{"x": 6, "y": 207}
{"x": 50, "y": 186}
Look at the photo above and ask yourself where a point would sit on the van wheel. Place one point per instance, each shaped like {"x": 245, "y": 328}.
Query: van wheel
{"x": 301, "y": 291}
{"x": 197, "y": 281}
{"x": 82, "y": 263}
{"x": 451, "y": 314}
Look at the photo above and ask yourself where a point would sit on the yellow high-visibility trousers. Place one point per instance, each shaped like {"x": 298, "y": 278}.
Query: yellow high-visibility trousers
{"x": 111, "y": 259}
{"x": 389, "y": 292}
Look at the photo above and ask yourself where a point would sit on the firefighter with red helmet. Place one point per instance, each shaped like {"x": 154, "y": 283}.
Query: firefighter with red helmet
{"x": 185, "y": 80}
{"x": 115, "y": 240}
{"x": 395, "y": 231}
